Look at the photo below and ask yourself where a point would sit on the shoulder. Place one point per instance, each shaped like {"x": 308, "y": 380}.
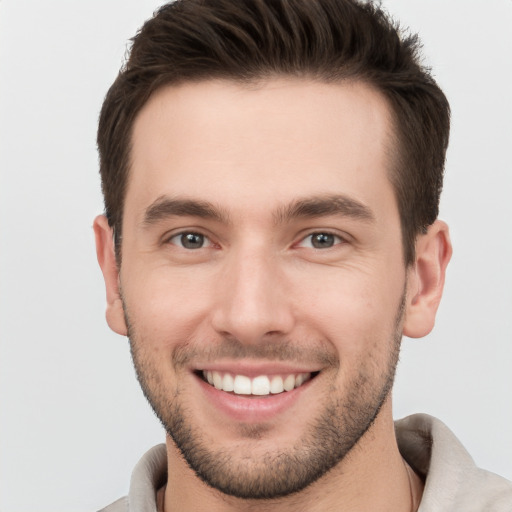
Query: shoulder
{"x": 148, "y": 476}
{"x": 120, "y": 505}
{"x": 452, "y": 479}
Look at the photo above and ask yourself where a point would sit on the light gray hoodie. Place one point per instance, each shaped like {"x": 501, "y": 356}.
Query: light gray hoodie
{"x": 453, "y": 483}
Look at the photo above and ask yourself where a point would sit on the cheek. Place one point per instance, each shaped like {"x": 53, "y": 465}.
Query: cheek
{"x": 353, "y": 309}
{"x": 166, "y": 307}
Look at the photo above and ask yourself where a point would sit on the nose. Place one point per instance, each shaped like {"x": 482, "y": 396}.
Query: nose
{"x": 252, "y": 300}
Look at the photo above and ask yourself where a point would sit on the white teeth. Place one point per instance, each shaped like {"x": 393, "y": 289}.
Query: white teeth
{"x": 260, "y": 386}
{"x": 289, "y": 383}
{"x": 217, "y": 380}
{"x": 299, "y": 380}
{"x": 276, "y": 384}
{"x": 242, "y": 385}
{"x": 228, "y": 383}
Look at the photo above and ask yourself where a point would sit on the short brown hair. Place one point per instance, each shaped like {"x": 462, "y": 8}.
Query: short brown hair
{"x": 246, "y": 40}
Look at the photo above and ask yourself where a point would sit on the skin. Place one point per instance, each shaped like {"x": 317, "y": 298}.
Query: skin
{"x": 258, "y": 296}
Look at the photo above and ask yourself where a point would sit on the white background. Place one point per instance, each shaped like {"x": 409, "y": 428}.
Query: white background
{"x": 72, "y": 419}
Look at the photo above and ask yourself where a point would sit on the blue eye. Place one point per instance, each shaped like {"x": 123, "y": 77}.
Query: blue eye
{"x": 321, "y": 240}
{"x": 190, "y": 240}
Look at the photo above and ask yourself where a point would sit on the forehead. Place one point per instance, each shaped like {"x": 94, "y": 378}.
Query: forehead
{"x": 249, "y": 145}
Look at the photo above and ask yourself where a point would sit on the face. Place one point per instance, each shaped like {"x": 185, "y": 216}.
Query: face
{"x": 262, "y": 275}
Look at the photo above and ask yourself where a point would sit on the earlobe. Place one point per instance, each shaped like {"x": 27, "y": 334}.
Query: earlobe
{"x": 107, "y": 260}
{"x": 426, "y": 280}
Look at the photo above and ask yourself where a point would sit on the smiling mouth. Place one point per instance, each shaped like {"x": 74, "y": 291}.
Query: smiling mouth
{"x": 262, "y": 385}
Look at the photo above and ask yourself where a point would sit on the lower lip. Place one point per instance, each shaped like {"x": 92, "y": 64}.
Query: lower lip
{"x": 250, "y": 408}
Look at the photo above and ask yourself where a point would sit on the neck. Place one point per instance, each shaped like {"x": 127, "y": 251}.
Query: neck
{"x": 373, "y": 476}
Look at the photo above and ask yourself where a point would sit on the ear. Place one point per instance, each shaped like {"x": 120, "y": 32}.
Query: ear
{"x": 426, "y": 280}
{"x": 107, "y": 260}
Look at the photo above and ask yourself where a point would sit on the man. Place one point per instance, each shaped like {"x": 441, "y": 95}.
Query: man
{"x": 271, "y": 173}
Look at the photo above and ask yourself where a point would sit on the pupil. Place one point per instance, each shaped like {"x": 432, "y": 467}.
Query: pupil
{"x": 322, "y": 240}
{"x": 192, "y": 241}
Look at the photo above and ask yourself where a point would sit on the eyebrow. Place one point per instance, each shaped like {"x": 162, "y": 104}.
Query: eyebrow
{"x": 323, "y": 206}
{"x": 308, "y": 207}
{"x": 165, "y": 207}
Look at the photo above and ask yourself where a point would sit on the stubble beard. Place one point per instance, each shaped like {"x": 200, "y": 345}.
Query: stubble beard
{"x": 273, "y": 474}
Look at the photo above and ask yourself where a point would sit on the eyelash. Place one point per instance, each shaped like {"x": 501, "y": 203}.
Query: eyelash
{"x": 336, "y": 240}
{"x": 183, "y": 234}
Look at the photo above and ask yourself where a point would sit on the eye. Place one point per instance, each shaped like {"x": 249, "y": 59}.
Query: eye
{"x": 190, "y": 240}
{"x": 321, "y": 240}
